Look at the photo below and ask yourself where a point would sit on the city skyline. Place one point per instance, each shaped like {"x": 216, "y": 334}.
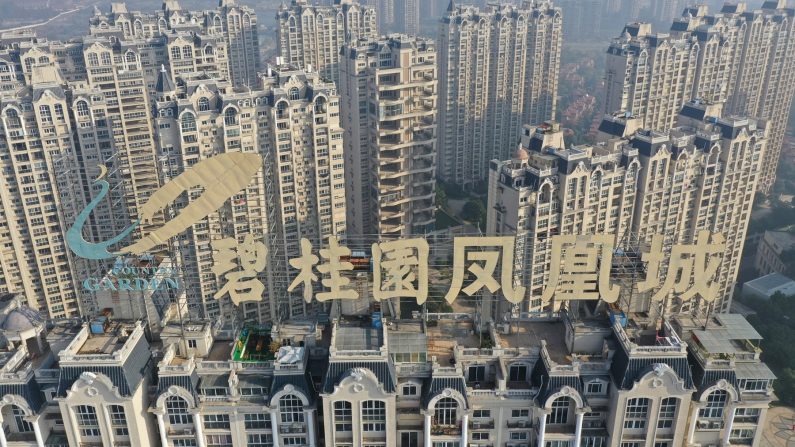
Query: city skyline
{"x": 378, "y": 237}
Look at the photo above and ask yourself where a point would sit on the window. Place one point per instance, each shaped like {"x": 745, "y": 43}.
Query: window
{"x": 82, "y": 109}
{"x": 343, "y": 416}
{"x": 192, "y": 344}
{"x": 177, "y": 410}
{"x": 295, "y": 94}
{"x": 219, "y": 440}
{"x": 446, "y": 411}
{"x": 410, "y": 390}
{"x": 294, "y": 440}
{"x": 23, "y": 426}
{"x": 291, "y": 409}
{"x": 667, "y": 412}
{"x": 480, "y": 436}
{"x": 754, "y": 385}
{"x": 260, "y": 440}
{"x": 560, "y": 411}
{"x": 187, "y": 52}
{"x": 216, "y": 421}
{"x": 409, "y": 439}
{"x": 517, "y": 373}
{"x": 715, "y": 403}
{"x": 117, "y": 416}
{"x": 86, "y": 416}
{"x": 93, "y": 60}
{"x": 593, "y": 441}
{"x": 257, "y": 421}
{"x": 636, "y": 413}
{"x": 518, "y": 435}
{"x": 175, "y": 53}
{"x": 520, "y": 413}
{"x": 106, "y": 58}
{"x": 230, "y": 117}
{"x": 188, "y": 123}
{"x": 595, "y": 387}
{"x": 481, "y": 414}
{"x": 742, "y": 436}
{"x": 477, "y": 373}
{"x": 184, "y": 443}
{"x": 373, "y": 415}
{"x": 204, "y": 104}
{"x": 45, "y": 113}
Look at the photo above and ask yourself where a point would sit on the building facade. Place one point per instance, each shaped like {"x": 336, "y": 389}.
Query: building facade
{"x": 550, "y": 380}
{"x": 498, "y": 70}
{"x": 741, "y": 56}
{"x": 311, "y": 36}
{"x": 389, "y": 108}
{"x": 224, "y": 40}
{"x": 772, "y": 252}
{"x": 637, "y": 184}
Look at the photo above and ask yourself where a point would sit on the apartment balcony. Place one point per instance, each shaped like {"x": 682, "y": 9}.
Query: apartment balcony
{"x": 424, "y": 136}
{"x": 481, "y": 424}
{"x": 446, "y": 430}
{"x": 295, "y": 427}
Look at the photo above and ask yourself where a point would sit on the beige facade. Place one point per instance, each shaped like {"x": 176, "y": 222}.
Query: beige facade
{"x": 388, "y": 92}
{"x": 741, "y": 56}
{"x": 223, "y": 40}
{"x": 311, "y": 36}
{"x": 698, "y": 176}
{"x": 498, "y": 70}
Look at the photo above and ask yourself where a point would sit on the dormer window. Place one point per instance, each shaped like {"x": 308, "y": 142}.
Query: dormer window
{"x": 409, "y": 390}
{"x": 595, "y": 387}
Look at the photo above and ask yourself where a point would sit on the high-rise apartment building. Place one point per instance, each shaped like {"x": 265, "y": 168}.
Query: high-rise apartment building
{"x": 498, "y": 70}
{"x": 697, "y": 176}
{"x": 54, "y": 137}
{"x": 741, "y": 56}
{"x": 311, "y": 36}
{"x": 292, "y": 121}
{"x": 223, "y": 40}
{"x": 305, "y": 168}
{"x": 199, "y": 119}
{"x": 388, "y": 92}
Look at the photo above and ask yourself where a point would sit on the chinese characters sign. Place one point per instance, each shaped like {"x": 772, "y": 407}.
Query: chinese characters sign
{"x": 580, "y": 269}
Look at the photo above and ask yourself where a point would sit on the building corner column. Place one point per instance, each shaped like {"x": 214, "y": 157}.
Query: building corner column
{"x": 542, "y": 427}
{"x": 427, "y": 430}
{"x": 464, "y": 430}
{"x": 161, "y": 426}
{"x": 309, "y": 415}
{"x": 729, "y": 425}
{"x": 37, "y": 431}
{"x": 197, "y": 423}
{"x": 275, "y": 428}
{"x": 578, "y": 428}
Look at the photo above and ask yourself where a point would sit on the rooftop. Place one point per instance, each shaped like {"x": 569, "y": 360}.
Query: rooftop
{"x": 769, "y": 282}
{"x": 444, "y": 335}
{"x": 726, "y": 334}
{"x": 530, "y": 335}
{"x": 108, "y": 342}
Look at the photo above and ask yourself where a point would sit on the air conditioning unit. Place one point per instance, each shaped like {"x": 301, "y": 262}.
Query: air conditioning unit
{"x": 188, "y": 431}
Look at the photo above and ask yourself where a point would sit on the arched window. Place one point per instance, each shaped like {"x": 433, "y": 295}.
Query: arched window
{"x": 175, "y": 54}
{"x": 14, "y": 418}
{"x": 343, "y": 416}
{"x": 217, "y": 22}
{"x": 295, "y": 94}
{"x": 230, "y": 117}
{"x": 373, "y": 415}
{"x": 45, "y": 113}
{"x": 636, "y": 413}
{"x": 560, "y": 411}
{"x": 93, "y": 60}
{"x": 320, "y": 105}
{"x": 282, "y": 110}
{"x": 188, "y": 123}
{"x": 204, "y": 104}
{"x": 446, "y": 411}
{"x": 716, "y": 401}
{"x": 291, "y": 24}
{"x": 208, "y": 50}
{"x": 187, "y": 52}
{"x": 106, "y": 58}
{"x": 130, "y": 58}
{"x": 12, "y": 119}
{"x": 82, "y": 109}
{"x": 177, "y": 411}
{"x": 291, "y": 409}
